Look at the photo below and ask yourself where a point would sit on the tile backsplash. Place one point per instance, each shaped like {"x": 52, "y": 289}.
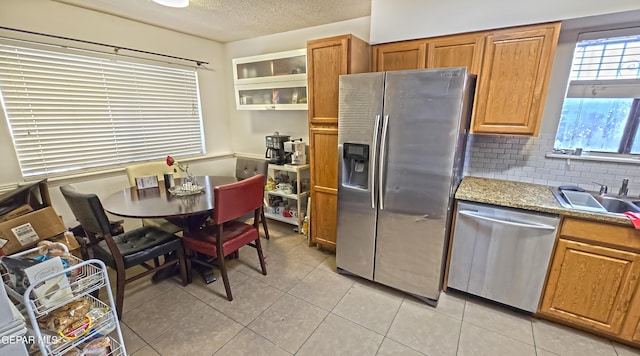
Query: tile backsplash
{"x": 523, "y": 159}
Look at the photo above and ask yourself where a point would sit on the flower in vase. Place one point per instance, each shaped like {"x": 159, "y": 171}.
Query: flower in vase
{"x": 171, "y": 162}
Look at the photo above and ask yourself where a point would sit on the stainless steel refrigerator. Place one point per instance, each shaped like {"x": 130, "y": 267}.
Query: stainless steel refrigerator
{"x": 401, "y": 143}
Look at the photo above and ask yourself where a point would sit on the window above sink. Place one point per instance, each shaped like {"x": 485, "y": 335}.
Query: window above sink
{"x": 601, "y": 111}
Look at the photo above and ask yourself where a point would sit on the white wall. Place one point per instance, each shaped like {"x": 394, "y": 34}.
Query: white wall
{"x": 55, "y": 18}
{"x": 248, "y": 128}
{"x": 393, "y": 20}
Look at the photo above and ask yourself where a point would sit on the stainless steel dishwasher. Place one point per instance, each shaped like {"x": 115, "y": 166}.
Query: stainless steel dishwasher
{"x": 501, "y": 254}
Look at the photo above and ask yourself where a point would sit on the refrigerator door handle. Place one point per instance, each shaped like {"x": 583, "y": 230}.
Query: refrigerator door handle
{"x": 376, "y": 128}
{"x": 473, "y": 214}
{"x": 383, "y": 152}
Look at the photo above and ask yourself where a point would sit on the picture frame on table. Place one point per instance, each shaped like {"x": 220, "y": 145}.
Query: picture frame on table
{"x": 147, "y": 182}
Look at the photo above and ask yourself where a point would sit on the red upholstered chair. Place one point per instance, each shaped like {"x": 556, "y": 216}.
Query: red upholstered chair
{"x": 226, "y": 235}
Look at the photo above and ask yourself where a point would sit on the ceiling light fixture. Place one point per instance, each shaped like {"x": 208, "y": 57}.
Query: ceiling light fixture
{"x": 173, "y": 3}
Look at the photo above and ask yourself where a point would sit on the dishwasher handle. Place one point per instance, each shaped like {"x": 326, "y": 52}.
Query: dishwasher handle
{"x": 475, "y": 215}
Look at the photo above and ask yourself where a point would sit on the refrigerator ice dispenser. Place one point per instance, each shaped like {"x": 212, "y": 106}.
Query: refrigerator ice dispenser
{"x": 356, "y": 165}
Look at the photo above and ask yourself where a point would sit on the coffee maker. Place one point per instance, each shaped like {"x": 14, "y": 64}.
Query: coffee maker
{"x": 296, "y": 152}
{"x": 275, "y": 148}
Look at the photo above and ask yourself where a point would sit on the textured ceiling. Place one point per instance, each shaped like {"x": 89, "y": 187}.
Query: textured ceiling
{"x": 232, "y": 20}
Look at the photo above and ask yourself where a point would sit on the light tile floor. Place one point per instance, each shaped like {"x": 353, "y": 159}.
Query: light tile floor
{"x": 304, "y": 307}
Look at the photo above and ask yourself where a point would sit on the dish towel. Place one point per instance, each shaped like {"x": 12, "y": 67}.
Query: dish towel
{"x": 634, "y": 217}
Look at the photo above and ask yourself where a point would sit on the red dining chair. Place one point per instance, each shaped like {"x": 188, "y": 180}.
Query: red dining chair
{"x": 227, "y": 235}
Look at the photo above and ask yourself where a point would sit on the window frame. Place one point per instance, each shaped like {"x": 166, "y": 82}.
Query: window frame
{"x": 607, "y": 88}
{"x": 631, "y": 129}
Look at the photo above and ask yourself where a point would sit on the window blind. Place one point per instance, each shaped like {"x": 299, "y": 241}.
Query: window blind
{"x": 70, "y": 112}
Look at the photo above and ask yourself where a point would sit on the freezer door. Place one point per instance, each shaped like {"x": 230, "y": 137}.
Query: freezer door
{"x": 425, "y": 116}
{"x": 359, "y": 117}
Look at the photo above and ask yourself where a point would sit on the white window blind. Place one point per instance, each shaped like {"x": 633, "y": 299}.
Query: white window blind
{"x": 69, "y": 112}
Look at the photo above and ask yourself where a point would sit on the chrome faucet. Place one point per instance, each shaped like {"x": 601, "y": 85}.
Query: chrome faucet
{"x": 624, "y": 189}
{"x": 603, "y": 188}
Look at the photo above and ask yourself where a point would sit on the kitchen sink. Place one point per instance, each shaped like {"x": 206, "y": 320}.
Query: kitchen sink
{"x": 616, "y": 205}
{"x": 591, "y": 201}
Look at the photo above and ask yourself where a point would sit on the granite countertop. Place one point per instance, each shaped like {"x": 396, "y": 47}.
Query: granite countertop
{"x": 528, "y": 196}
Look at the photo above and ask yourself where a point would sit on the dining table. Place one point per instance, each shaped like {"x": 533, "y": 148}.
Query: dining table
{"x": 188, "y": 211}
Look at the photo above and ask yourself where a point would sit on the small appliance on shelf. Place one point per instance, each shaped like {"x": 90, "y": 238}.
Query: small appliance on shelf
{"x": 296, "y": 152}
{"x": 275, "y": 148}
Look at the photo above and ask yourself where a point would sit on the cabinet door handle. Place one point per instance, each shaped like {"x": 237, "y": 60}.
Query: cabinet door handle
{"x": 475, "y": 215}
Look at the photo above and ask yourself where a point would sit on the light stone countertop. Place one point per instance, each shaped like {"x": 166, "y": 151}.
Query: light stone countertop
{"x": 527, "y": 196}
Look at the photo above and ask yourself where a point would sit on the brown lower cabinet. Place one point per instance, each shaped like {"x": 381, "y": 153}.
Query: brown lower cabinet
{"x": 324, "y": 193}
{"x": 593, "y": 279}
{"x": 327, "y": 59}
{"x": 636, "y": 336}
{"x": 631, "y": 329}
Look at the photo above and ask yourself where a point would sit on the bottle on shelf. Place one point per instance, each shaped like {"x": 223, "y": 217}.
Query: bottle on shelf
{"x": 305, "y": 226}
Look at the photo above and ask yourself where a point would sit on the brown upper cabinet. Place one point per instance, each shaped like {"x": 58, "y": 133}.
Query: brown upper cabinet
{"x": 512, "y": 86}
{"x": 327, "y": 59}
{"x": 399, "y": 56}
{"x": 456, "y": 51}
{"x": 513, "y": 67}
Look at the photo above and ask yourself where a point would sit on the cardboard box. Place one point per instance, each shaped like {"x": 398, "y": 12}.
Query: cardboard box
{"x": 35, "y": 195}
{"x": 26, "y": 230}
{"x": 21, "y": 210}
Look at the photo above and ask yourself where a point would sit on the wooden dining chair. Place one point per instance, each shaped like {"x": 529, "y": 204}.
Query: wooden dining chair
{"x": 145, "y": 169}
{"x": 126, "y": 250}
{"x": 158, "y": 169}
{"x": 227, "y": 235}
{"x": 249, "y": 167}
